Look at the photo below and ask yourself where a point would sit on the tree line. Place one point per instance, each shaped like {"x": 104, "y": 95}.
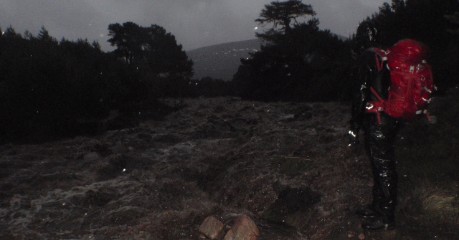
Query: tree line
{"x": 59, "y": 88}
{"x": 51, "y": 87}
{"x": 299, "y": 61}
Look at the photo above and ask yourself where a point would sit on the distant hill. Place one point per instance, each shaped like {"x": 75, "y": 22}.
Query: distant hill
{"x": 221, "y": 61}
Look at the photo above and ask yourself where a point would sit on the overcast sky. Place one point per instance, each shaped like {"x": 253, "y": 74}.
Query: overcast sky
{"x": 195, "y": 23}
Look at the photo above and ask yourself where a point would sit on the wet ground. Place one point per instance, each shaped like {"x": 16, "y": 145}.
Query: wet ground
{"x": 286, "y": 165}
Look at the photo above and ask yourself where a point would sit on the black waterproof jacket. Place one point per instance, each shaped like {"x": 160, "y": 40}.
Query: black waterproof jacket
{"x": 367, "y": 75}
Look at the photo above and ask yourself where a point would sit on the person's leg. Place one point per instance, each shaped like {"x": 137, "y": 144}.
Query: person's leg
{"x": 372, "y": 210}
{"x": 380, "y": 139}
{"x": 385, "y": 196}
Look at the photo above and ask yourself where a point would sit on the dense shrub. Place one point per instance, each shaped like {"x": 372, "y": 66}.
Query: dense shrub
{"x": 209, "y": 87}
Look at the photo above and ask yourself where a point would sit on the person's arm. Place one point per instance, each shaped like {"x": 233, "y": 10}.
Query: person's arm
{"x": 360, "y": 95}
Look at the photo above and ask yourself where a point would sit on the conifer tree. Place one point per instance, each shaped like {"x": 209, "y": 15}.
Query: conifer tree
{"x": 283, "y": 13}
{"x": 151, "y": 47}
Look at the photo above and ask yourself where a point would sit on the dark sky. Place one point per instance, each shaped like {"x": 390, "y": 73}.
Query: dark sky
{"x": 195, "y": 23}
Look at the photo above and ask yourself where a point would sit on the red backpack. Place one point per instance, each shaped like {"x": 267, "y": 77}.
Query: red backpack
{"x": 411, "y": 81}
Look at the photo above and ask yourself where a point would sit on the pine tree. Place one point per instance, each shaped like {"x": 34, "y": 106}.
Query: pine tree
{"x": 283, "y": 13}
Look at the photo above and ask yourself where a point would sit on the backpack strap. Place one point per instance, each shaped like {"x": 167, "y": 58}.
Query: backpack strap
{"x": 380, "y": 99}
{"x": 376, "y": 107}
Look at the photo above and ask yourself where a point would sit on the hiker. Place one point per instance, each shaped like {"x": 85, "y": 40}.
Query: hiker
{"x": 393, "y": 86}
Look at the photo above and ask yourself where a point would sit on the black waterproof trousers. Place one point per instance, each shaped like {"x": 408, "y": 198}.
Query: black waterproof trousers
{"x": 379, "y": 140}
{"x": 379, "y": 136}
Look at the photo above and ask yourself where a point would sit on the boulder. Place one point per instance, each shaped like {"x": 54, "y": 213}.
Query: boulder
{"x": 211, "y": 227}
{"x": 244, "y": 228}
{"x": 229, "y": 235}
